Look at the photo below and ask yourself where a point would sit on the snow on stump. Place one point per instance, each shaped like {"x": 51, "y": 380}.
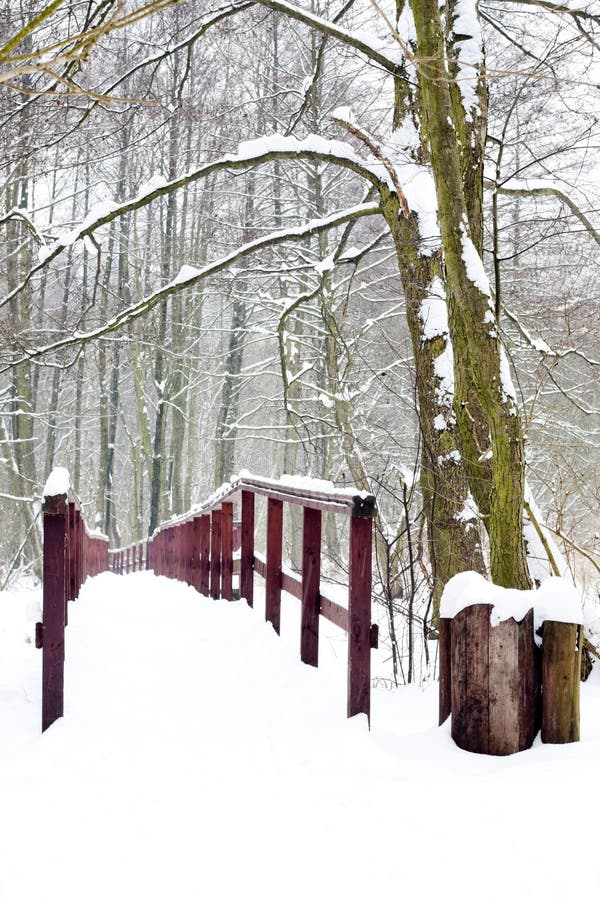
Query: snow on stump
{"x": 497, "y": 693}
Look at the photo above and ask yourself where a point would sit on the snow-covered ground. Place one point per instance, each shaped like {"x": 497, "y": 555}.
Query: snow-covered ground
{"x": 198, "y": 758}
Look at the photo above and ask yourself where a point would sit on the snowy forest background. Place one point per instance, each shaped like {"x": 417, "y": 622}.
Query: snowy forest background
{"x": 297, "y": 357}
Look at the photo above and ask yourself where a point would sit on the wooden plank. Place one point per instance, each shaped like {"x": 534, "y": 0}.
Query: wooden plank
{"x": 291, "y": 584}
{"x": 54, "y": 571}
{"x": 311, "y": 577}
{"x": 561, "y": 677}
{"x": 458, "y": 679}
{"x": 70, "y": 574}
{"x": 187, "y": 551}
{"x": 227, "y": 551}
{"x": 529, "y": 695}
{"x": 325, "y": 500}
{"x": 470, "y": 671}
{"x": 247, "y": 549}
{"x": 273, "y": 568}
{"x": 170, "y": 553}
{"x": 445, "y": 669}
{"x": 205, "y": 555}
{"x": 215, "y": 554}
{"x": 195, "y": 552}
{"x": 504, "y": 688}
{"x": 359, "y": 617}
{"x": 334, "y": 612}
{"x": 477, "y": 671}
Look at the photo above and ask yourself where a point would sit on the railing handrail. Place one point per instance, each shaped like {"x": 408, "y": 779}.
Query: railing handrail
{"x": 290, "y": 489}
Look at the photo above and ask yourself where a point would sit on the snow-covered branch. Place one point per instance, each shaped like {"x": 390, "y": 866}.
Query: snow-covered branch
{"x": 190, "y": 277}
{"x": 249, "y": 154}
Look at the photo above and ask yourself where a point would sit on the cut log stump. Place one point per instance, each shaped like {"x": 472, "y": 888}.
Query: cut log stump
{"x": 493, "y": 682}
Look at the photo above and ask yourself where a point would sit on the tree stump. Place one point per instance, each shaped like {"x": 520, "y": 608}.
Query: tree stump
{"x": 493, "y": 682}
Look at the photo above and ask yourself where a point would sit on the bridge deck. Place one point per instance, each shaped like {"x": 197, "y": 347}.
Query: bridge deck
{"x": 199, "y": 758}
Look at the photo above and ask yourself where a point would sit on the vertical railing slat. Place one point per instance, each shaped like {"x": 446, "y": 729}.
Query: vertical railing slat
{"x": 227, "y": 551}
{"x": 274, "y": 548}
{"x": 55, "y": 524}
{"x": 205, "y": 555}
{"x": 359, "y": 616}
{"x": 247, "y": 549}
{"x": 215, "y": 554}
{"x": 311, "y": 581}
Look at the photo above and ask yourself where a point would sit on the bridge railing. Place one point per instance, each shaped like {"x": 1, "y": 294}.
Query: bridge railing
{"x": 71, "y": 553}
{"x": 198, "y": 548}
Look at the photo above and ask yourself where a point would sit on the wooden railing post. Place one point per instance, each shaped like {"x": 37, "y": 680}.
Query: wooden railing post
{"x": 215, "y": 554}
{"x": 227, "y": 551}
{"x": 170, "y": 553}
{"x": 273, "y": 569}
{"x": 205, "y": 555}
{"x": 195, "y": 552}
{"x": 359, "y": 616}
{"x": 55, "y": 516}
{"x": 311, "y": 583}
{"x": 77, "y": 551}
{"x": 247, "y": 549}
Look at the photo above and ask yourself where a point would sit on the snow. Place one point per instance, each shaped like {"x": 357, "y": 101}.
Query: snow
{"x": 555, "y": 600}
{"x": 418, "y": 186}
{"x": 199, "y": 758}
{"x": 474, "y": 265}
{"x": 469, "y": 47}
{"x": 469, "y": 512}
{"x": 443, "y": 367}
{"x": 453, "y": 456}
{"x": 59, "y": 482}
{"x": 325, "y": 265}
{"x": 508, "y": 388}
{"x": 433, "y": 312}
{"x": 186, "y": 273}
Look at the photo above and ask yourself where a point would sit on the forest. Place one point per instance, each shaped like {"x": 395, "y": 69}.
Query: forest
{"x": 357, "y": 241}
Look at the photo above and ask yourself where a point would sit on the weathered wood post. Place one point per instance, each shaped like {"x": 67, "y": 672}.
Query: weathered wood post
{"x": 273, "y": 567}
{"x": 494, "y": 692}
{"x": 55, "y": 524}
{"x": 561, "y": 677}
{"x": 205, "y": 555}
{"x": 247, "y": 549}
{"x": 359, "y": 614}
{"x": 445, "y": 683}
{"x": 189, "y": 550}
{"x": 311, "y": 586}
{"x": 227, "y": 551}
{"x": 215, "y": 554}
{"x": 195, "y": 552}
{"x": 77, "y": 553}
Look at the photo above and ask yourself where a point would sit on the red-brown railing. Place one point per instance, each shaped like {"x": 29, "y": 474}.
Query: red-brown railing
{"x": 198, "y": 548}
{"x": 71, "y": 553}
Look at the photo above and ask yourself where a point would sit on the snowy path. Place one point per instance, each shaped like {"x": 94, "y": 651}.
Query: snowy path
{"x": 199, "y": 759}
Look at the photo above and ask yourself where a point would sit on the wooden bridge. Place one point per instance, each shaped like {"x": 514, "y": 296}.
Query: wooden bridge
{"x": 199, "y": 548}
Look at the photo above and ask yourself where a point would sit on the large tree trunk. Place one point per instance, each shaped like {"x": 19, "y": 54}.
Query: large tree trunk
{"x": 487, "y": 416}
